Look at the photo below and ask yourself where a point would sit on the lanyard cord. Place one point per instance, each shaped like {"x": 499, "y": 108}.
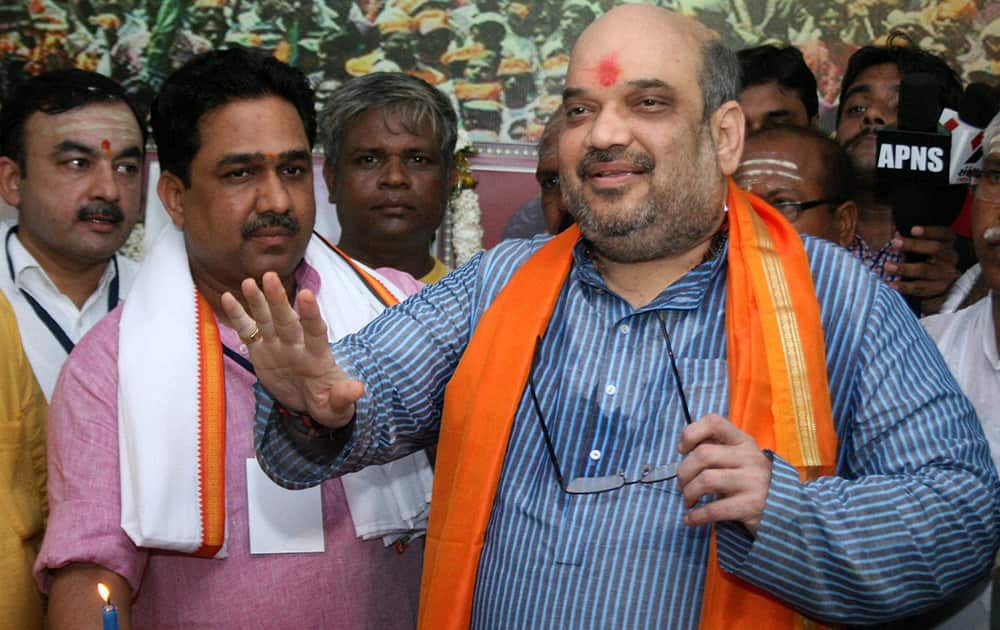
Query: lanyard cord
{"x": 43, "y": 314}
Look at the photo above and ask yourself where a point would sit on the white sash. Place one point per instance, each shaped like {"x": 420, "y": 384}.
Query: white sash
{"x": 158, "y": 425}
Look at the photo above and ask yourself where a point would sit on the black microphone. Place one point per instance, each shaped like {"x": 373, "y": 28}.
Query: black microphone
{"x": 979, "y": 104}
{"x": 914, "y": 160}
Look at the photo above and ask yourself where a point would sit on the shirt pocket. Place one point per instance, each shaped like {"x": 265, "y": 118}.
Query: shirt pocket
{"x": 20, "y": 500}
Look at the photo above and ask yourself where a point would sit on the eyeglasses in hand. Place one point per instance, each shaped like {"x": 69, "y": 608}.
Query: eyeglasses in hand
{"x": 649, "y": 473}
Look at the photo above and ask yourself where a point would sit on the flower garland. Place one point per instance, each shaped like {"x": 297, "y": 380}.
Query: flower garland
{"x": 133, "y": 246}
{"x": 464, "y": 233}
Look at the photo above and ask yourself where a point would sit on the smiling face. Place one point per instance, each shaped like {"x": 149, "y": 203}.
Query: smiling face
{"x": 389, "y": 182}
{"x": 870, "y": 103}
{"x": 79, "y": 193}
{"x": 250, "y": 206}
{"x": 640, "y": 169}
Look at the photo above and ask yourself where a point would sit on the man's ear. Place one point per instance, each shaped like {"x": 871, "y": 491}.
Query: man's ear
{"x": 330, "y": 177}
{"x": 846, "y": 218}
{"x": 728, "y": 132}
{"x": 170, "y": 190}
{"x": 10, "y": 182}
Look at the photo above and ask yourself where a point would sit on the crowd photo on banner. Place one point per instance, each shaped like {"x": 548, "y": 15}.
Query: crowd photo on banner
{"x": 501, "y": 62}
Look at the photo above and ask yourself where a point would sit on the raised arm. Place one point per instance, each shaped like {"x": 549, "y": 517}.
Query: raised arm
{"x": 291, "y": 353}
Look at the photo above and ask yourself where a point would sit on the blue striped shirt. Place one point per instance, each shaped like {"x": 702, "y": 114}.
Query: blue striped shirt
{"x": 910, "y": 517}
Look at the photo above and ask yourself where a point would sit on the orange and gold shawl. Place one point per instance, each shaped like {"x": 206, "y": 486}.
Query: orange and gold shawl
{"x": 778, "y": 394}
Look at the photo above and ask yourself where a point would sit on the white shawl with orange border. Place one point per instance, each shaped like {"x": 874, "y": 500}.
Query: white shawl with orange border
{"x": 172, "y": 415}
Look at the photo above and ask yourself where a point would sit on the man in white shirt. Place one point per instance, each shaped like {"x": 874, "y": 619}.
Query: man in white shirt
{"x": 969, "y": 338}
{"x": 71, "y": 156}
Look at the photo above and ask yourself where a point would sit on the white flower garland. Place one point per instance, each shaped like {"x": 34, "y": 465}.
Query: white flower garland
{"x": 133, "y": 244}
{"x": 465, "y": 234}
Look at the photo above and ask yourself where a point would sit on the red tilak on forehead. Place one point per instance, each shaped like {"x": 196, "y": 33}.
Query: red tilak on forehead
{"x": 106, "y": 145}
{"x": 608, "y": 70}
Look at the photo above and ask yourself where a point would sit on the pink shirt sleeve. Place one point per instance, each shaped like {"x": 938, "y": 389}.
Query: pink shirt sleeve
{"x": 84, "y": 493}
{"x": 406, "y": 283}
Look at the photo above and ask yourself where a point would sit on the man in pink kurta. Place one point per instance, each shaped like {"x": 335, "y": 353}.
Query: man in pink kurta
{"x": 307, "y": 590}
{"x": 241, "y": 205}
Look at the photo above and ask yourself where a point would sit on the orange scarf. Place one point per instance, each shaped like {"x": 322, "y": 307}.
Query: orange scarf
{"x": 778, "y": 394}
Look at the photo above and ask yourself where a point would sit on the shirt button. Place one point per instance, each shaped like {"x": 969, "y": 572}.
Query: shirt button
{"x": 624, "y": 328}
{"x": 243, "y": 349}
{"x": 610, "y": 390}
{"x": 595, "y": 454}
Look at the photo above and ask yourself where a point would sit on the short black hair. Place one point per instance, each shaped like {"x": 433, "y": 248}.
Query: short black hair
{"x": 839, "y": 182}
{"x": 786, "y": 66}
{"x": 55, "y": 92}
{"x": 908, "y": 59}
{"x": 214, "y": 79}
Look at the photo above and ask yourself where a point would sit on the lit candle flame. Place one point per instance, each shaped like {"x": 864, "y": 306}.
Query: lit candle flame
{"x": 104, "y": 592}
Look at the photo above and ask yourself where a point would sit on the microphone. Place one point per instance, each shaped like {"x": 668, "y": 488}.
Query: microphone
{"x": 914, "y": 159}
{"x": 914, "y": 163}
{"x": 979, "y": 104}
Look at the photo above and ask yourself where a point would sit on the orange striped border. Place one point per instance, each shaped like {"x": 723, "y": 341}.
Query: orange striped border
{"x": 383, "y": 294}
{"x": 792, "y": 359}
{"x": 211, "y": 432}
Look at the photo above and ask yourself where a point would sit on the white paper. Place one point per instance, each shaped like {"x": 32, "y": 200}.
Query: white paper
{"x": 281, "y": 520}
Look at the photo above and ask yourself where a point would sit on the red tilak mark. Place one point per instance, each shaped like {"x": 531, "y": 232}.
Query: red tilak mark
{"x": 106, "y": 145}
{"x": 608, "y": 71}
{"x": 270, "y": 156}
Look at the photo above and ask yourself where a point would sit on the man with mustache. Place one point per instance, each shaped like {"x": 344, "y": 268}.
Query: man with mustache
{"x": 389, "y": 141}
{"x": 676, "y": 413}
{"x": 71, "y": 158}
{"x": 969, "y": 340}
{"x": 154, "y": 489}
{"x": 869, "y": 100}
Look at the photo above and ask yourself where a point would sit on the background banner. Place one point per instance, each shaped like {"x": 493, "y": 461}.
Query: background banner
{"x": 501, "y": 62}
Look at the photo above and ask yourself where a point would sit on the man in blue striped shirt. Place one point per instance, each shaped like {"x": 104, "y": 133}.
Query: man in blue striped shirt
{"x": 634, "y": 349}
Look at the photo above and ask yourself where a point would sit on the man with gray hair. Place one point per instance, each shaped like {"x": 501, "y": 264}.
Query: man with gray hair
{"x": 389, "y": 140}
{"x": 675, "y": 413}
{"x": 969, "y": 339}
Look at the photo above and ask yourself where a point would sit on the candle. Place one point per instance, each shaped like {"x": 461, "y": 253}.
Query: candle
{"x": 109, "y": 612}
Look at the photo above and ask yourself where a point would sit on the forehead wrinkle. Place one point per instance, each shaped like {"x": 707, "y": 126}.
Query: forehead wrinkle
{"x": 643, "y": 83}
{"x": 651, "y": 83}
{"x": 113, "y": 121}
{"x": 72, "y": 146}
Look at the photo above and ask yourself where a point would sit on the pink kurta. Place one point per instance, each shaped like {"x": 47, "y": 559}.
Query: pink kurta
{"x": 353, "y": 584}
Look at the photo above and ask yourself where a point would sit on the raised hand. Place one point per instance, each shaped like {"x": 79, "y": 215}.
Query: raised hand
{"x": 290, "y": 351}
{"x": 723, "y": 461}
